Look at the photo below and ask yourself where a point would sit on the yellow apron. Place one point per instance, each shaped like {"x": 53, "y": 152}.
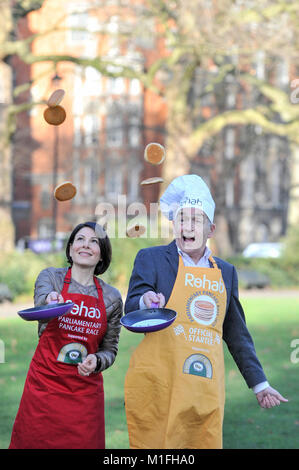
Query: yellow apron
{"x": 174, "y": 387}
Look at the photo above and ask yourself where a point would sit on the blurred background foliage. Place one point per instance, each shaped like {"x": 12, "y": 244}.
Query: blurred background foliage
{"x": 19, "y": 269}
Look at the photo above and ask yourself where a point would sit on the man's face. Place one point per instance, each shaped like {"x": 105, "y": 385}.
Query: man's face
{"x": 192, "y": 228}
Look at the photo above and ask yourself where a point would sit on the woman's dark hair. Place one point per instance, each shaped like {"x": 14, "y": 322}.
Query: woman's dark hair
{"x": 104, "y": 242}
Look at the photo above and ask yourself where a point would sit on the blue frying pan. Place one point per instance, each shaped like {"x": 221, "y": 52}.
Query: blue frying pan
{"x": 44, "y": 312}
{"x": 149, "y": 319}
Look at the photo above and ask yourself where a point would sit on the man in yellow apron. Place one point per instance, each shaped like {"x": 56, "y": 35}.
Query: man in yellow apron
{"x": 174, "y": 387}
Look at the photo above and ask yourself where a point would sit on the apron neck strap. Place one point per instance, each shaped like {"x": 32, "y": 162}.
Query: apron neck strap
{"x": 68, "y": 279}
{"x": 98, "y": 286}
{"x": 211, "y": 259}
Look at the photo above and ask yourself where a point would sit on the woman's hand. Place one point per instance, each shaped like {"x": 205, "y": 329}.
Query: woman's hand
{"x": 151, "y": 297}
{"x": 54, "y": 297}
{"x": 88, "y": 365}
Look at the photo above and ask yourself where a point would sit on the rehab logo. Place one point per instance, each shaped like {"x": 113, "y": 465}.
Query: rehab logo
{"x": 204, "y": 283}
{"x": 83, "y": 311}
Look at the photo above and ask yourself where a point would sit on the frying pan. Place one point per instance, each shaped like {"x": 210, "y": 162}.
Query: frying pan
{"x": 43, "y": 312}
{"x": 148, "y": 319}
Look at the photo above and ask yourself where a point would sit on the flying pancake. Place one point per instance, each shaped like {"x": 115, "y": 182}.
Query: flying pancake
{"x": 136, "y": 231}
{"x": 154, "y": 153}
{"x": 153, "y": 180}
{"x": 56, "y": 98}
{"x": 65, "y": 191}
{"x": 55, "y": 115}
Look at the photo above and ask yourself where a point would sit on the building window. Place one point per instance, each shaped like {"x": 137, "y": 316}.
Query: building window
{"x": 77, "y": 131}
{"x": 34, "y": 97}
{"x": 134, "y": 131}
{"x": 116, "y": 86}
{"x": 93, "y": 82}
{"x": 134, "y": 87}
{"x": 78, "y": 97}
{"x": 91, "y": 126}
{"x": 77, "y": 25}
{"x": 89, "y": 181}
{"x": 144, "y": 37}
{"x": 113, "y": 181}
{"x": 45, "y": 228}
{"x": 133, "y": 189}
{"x": 229, "y": 149}
{"x": 45, "y": 200}
{"x": 114, "y": 129}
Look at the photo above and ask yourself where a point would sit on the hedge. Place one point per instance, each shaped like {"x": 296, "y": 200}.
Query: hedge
{"x": 18, "y": 270}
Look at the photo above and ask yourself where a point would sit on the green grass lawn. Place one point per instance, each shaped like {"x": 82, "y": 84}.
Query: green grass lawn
{"x": 273, "y": 323}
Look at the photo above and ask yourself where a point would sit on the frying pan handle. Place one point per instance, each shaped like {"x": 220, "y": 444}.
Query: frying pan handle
{"x": 154, "y": 304}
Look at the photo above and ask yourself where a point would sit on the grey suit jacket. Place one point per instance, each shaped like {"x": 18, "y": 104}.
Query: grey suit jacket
{"x": 156, "y": 268}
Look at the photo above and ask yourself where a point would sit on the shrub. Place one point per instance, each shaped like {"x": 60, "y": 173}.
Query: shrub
{"x": 282, "y": 272}
{"x": 124, "y": 251}
{"x": 19, "y": 270}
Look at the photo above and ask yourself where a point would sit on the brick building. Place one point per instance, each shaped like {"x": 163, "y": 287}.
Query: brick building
{"x": 109, "y": 121}
{"x": 249, "y": 170}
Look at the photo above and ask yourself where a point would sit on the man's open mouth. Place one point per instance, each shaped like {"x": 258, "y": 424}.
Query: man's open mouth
{"x": 188, "y": 239}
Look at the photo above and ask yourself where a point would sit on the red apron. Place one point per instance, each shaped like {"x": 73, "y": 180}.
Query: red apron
{"x": 61, "y": 409}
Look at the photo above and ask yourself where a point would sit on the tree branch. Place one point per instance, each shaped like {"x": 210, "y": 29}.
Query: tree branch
{"x": 241, "y": 117}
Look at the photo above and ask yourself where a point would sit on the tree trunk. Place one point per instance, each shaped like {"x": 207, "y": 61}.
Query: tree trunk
{"x": 6, "y": 223}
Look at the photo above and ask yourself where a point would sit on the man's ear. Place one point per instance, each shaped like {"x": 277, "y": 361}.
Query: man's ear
{"x": 212, "y": 230}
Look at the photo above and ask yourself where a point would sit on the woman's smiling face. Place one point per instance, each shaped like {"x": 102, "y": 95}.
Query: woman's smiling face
{"x": 85, "y": 249}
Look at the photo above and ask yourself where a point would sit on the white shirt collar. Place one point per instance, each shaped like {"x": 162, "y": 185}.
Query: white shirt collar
{"x": 203, "y": 262}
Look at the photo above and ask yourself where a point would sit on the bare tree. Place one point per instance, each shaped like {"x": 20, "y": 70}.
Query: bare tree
{"x": 209, "y": 47}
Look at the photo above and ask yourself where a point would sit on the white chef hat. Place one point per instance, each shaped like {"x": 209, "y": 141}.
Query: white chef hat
{"x": 187, "y": 191}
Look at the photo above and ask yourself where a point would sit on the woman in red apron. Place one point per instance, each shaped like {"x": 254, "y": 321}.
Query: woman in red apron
{"x": 62, "y": 406}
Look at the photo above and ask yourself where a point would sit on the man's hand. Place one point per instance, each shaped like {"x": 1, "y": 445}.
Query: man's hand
{"x": 88, "y": 365}
{"x": 269, "y": 397}
{"x": 54, "y": 297}
{"x": 151, "y": 297}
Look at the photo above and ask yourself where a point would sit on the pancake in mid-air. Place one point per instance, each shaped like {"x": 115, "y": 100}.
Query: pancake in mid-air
{"x": 56, "y": 98}
{"x": 136, "y": 231}
{"x": 153, "y": 180}
{"x": 154, "y": 153}
{"x": 55, "y": 115}
{"x": 65, "y": 191}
